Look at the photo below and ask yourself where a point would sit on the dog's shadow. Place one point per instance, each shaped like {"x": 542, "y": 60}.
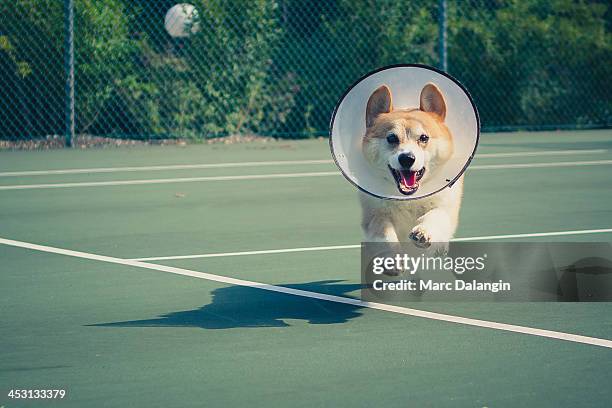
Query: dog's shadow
{"x": 239, "y": 306}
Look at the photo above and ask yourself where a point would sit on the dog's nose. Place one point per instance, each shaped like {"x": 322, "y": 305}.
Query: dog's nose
{"x": 406, "y": 159}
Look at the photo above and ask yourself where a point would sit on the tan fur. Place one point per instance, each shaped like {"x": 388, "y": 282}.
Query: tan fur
{"x": 425, "y": 220}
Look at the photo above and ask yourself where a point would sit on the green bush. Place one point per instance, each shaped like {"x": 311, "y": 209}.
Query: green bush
{"x": 534, "y": 63}
{"x": 31, "y": 67}
{"x": 104, "y": 55}
{"x": 33, "y": 38}
{"x": 217, "y": 82}
{"x": 333, "y": 43}
{"x": 278, "y": 67}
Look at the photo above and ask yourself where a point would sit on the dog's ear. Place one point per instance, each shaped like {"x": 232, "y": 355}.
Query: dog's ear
{"x": 379, "y": 102}
{"x": 433, "y": 101}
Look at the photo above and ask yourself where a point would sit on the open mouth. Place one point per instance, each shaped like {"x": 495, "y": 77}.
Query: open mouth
{"x": 407, "y": 181}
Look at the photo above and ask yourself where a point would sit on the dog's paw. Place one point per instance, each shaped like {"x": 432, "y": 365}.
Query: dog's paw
{"x": 420, "y": 237}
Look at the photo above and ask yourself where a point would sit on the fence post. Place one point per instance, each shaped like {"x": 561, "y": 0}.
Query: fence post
{"x": 69, "y": 69}
{"x": 443, "y": 64}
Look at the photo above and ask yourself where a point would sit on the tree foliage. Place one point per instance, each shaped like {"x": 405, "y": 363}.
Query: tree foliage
{"x": 277, "y": 67}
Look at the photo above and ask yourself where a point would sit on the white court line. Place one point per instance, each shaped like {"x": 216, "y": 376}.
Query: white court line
{"x": 264, "y": 163}
{"x": 169, "y": 180}
{"x": 262, "y": 252}
{"x": 278, "y": 175}
{"x": 536, "y": 165}
{"x": 163, "y": 167}
{"x": 354, "y": 246}
{"x": 542, "y": 153}
{"x": 535, "y": 234}
{"x": 576, "y": 338}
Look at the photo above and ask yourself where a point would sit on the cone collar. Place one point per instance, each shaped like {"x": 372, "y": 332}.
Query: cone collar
{"x": 406, "y": 83}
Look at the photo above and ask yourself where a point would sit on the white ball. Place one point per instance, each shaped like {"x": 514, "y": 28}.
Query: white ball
{"x": 182, "y": 20}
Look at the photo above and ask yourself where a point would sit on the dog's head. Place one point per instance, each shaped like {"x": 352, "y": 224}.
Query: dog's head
{"x": 407, "y": 146}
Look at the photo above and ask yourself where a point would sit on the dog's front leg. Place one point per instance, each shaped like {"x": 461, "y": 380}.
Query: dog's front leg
{"x": 379, "y": 229}
{"x": 436, "y": 226}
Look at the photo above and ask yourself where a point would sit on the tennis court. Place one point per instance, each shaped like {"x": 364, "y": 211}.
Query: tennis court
{"x": 144, "y": 274}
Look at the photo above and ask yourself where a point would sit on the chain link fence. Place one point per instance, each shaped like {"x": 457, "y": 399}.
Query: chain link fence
{"x": 277, "y": 68}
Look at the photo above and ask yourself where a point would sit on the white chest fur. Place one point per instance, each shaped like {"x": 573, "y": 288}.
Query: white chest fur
{"x": 431, "y": 219}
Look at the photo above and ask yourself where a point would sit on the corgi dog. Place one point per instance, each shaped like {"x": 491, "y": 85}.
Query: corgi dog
{"x": 407, "y": 147}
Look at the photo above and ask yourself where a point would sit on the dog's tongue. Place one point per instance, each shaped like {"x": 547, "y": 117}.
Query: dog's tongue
{"x": 410, "y": 180}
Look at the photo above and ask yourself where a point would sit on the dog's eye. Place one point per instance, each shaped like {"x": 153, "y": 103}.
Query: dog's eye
{"x": 392, "y": 139}
{"x": 423, "y": 138}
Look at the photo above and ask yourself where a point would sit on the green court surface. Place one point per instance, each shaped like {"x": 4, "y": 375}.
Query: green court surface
{"x": 113, "y": 334}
